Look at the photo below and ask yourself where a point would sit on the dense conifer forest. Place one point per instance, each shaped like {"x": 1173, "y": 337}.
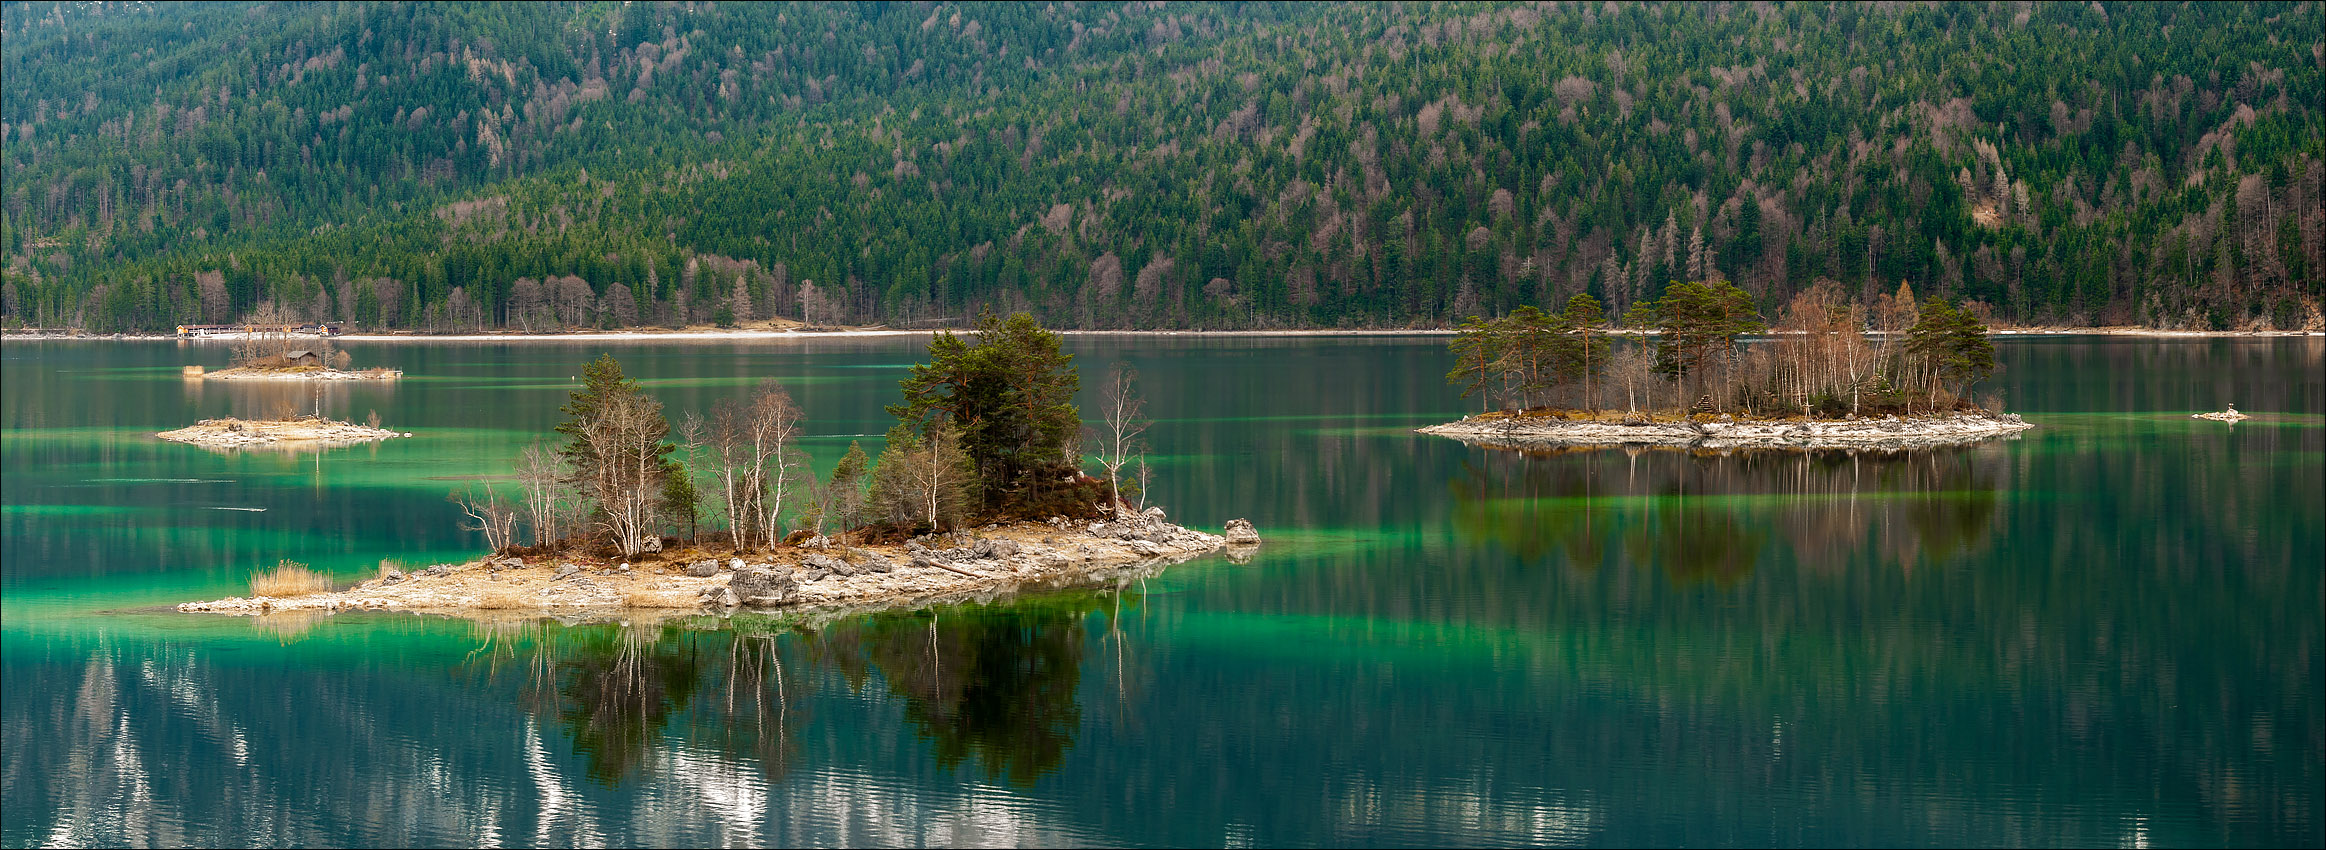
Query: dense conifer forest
{"x": 442, "y": 167}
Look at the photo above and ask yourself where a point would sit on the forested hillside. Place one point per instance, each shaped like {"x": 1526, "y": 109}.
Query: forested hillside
{"x": 543, "y": 166}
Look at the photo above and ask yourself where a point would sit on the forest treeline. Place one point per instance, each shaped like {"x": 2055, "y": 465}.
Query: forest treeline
{"x": 444, "y": 167}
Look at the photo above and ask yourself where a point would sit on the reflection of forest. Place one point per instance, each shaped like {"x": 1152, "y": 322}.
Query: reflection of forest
{"x": 996, "y": 685}
{"x": 1701, "y": 515}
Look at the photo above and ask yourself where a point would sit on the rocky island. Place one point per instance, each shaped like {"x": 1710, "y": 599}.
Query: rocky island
{"x": 292, "y": 373}
{"x": 1723, "y": 432}
{"x": 817, "y": 574}
{"x": 298, "y": 432}
{"x": 269, "y": 349}
{"x": 978, "y": 490}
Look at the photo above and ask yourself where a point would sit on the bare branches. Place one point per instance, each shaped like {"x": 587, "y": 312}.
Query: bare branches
{"x": 751, "y": 451}
{"x": 925, "y": 480}
{"x": 1122, "y": 418}
{"x": 549, "y": 503}
{"x": 626, "y": 437}
{"x": 773, "y": 431}
{"x": 488, "y": 513}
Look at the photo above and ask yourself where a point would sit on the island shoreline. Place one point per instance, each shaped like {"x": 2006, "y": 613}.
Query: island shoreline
{"x": 999, "y": 560}
{"x": 305, "y": 432}
{"x": 1886, "y": 433}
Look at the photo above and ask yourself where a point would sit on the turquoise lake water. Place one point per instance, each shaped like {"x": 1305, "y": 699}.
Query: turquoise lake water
{"x": 2104, "y": 632}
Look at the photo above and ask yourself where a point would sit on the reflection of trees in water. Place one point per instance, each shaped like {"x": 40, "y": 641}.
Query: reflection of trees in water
{"x": 994, "y": 684}
{"x": 1706, "y": 515}
{"x": 615, "y": 690}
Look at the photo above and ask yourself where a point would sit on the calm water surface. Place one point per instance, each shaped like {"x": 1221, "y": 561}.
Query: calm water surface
{"x": 2106, "y": 632}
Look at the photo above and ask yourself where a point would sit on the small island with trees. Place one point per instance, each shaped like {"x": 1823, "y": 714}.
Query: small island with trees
{"x": 979, "y": 488}
{"x": 1831, "y": 373}
{"x": 267, "y": 349}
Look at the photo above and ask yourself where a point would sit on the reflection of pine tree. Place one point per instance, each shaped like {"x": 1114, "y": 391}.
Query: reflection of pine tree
{"x": 997, "y": 684}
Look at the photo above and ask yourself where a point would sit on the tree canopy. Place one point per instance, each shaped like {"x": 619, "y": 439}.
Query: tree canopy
{"x": 1010, "y": 395}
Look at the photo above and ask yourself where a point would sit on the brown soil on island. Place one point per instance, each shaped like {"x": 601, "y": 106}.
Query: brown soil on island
{"x": 992, "y": 560}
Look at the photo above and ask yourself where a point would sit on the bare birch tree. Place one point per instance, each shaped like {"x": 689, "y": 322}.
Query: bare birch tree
{"x": 548, "y": 501}
{"x": 488, "y": 513}
{"x": 1122, "y": 418}
{"x": 754, "y": 458}
{"x": 1633, "y": 365}
{"x": 775, "y": 434}
{"x": 626, "y": 438}
{"x": 925, "y": 480}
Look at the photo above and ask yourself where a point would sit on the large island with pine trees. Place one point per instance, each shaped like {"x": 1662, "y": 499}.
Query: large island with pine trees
{"x": 977, "y": 491}
{"x": 1830, "y": 374}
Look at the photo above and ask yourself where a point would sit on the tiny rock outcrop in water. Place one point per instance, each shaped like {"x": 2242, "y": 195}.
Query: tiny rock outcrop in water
{"x": 277, "y": 433}
{"x": 994, "y": 559}
{"x": 2229, "y": 415}
{"x": 1239, "y": 532}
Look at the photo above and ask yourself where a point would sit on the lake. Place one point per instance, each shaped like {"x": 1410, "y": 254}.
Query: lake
{"x": 2104, "y": 632}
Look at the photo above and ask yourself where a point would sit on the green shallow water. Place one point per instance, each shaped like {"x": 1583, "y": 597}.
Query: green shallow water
{"x": 2104, "y": 632}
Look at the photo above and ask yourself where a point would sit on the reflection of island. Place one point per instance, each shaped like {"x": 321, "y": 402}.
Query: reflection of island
{"x": 1704, "y": 515}
{"x": 997, "y": 685}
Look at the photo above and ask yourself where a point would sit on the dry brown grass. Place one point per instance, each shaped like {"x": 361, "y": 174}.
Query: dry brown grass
{"x": 390, "y": 564}
{"x": 502, "y": 599}
{"x": 289, "y": 578}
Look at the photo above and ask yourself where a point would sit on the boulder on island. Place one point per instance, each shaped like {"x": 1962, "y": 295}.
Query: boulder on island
{"x": 705, "y": 568}
{"x": 1239, "y": 532}
{"x": 761, "y": 587}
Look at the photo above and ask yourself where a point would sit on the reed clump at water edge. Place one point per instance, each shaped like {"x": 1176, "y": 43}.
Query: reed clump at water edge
{"x": 289, "y": 578}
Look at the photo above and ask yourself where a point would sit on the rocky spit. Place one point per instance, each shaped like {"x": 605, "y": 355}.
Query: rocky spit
{"x": 277, "y": 433}
{"x": 817, "y": 575}
{"x": 1880, "y": 434}
{"x": 245, "y": 373}
{"x": 2230, "y": 415}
